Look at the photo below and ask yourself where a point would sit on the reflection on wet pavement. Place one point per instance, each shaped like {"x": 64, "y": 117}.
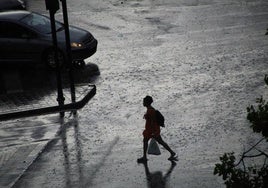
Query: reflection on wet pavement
{"x": 101, "y": 162}
{"x": 157, "y": 179}
{"x": 74, "y": 172}
{"x": 78, "y": 150}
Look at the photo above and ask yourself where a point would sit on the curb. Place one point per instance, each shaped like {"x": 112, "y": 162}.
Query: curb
{"x": 71, "y": 106}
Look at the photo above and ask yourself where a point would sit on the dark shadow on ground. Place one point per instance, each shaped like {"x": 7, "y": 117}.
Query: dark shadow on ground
{"x": 18, "y": 79}
{"x": 25, "y": 88}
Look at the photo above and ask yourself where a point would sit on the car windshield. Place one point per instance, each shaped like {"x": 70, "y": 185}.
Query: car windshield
{"x": 40, "y": 23}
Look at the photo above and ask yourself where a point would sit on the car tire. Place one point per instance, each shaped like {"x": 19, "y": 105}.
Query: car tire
{"x": 49, "y": 58}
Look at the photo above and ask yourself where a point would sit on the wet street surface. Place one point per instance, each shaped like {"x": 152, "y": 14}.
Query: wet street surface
{"x": 202, "y": 61}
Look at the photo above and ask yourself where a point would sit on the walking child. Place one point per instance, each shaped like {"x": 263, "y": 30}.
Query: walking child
{"x": 152, "y": 130}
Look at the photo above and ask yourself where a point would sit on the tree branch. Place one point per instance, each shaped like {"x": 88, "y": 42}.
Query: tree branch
{"x": 252, "y": 156}
{"x": 253, "y": 147}
{"x": 261, "y": 152}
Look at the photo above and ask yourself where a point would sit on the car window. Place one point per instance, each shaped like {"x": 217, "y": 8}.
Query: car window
{"x": 12, "y": 30}
{"x": 39, "y": 23}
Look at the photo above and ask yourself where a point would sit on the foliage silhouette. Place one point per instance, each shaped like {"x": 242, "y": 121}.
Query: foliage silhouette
{"x": 238, "y": 174}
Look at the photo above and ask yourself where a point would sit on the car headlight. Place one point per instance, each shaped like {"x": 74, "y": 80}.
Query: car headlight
{"x": 76, "y": 45}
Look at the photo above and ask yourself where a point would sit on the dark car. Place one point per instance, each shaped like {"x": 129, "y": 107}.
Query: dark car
{"x": 26, "y": 37}
{"x": 12, "y": 5}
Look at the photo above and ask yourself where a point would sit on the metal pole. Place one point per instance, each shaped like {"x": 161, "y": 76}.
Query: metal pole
{"x": 60, "y": 98}
{"x": 68, "y": 49}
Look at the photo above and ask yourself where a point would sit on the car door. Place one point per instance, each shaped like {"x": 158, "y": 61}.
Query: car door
{"x": 5, "y": 47}
{"x": 20, "y": 43}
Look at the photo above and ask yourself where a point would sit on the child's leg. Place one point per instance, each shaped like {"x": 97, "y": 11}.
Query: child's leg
{"x": 165, "y": 145}
{"x": 143, "y": 159}
{"x": 145, "y": 147}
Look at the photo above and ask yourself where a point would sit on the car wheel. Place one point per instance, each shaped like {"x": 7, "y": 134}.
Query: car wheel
{"x": 49, "y": 58}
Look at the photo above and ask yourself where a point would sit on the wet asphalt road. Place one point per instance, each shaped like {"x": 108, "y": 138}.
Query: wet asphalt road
{"x": 203, "y": 61}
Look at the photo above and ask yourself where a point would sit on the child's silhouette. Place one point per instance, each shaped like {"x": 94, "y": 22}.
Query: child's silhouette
{"x": 152, "y": 130}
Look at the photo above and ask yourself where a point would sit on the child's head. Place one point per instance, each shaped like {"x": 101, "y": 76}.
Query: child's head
{"x": 147, "y": 101}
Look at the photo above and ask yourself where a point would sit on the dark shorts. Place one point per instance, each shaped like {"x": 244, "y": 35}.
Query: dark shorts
{"x": 149, "y": 134}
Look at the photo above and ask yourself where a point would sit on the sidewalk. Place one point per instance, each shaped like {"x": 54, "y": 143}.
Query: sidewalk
{"x": 22, "y": 140}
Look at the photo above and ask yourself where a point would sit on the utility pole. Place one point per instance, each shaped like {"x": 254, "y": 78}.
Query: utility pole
{"x": 68, "y": 49}
{"x": 53, "y": 7}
